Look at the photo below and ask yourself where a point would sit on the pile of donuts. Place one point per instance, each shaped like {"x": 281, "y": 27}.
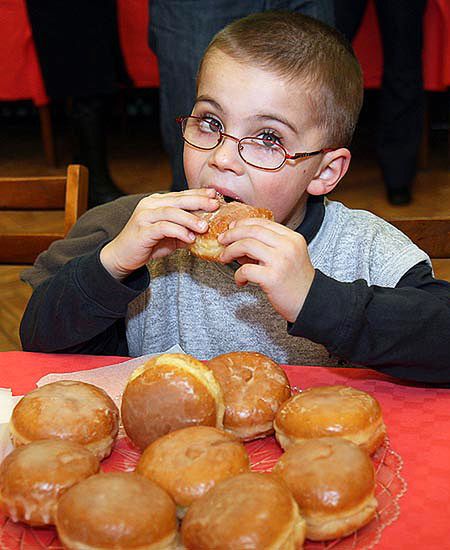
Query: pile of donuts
{"x": 193, "y": 486}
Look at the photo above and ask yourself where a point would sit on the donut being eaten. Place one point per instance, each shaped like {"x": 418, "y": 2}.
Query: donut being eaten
{"x": 206, "y": 246}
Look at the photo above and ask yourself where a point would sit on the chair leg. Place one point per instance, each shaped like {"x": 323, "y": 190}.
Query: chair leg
{"x": 47, "y": 135}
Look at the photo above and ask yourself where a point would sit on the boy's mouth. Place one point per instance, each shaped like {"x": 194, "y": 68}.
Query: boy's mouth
{"x": 227, "y": 196}
{"x": 230, "y": 199}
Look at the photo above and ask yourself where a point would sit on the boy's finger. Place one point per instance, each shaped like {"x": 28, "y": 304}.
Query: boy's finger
{"x": 183, "y": 200}
{"x": 150, "y": 216}
{"x": 166, "y": 229}
{"x": 249, "y": 273}
{"x": 207, "y": 191}
{"x": 201, "y": 191}
{"x": 247, "y": 247}
{"x": 166, "y": 247}
{"x": 262, "y": 222}
{"x": 254, "y": 231}
{"x": 246, "y": 260}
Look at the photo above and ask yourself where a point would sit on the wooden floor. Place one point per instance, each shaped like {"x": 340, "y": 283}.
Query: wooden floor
{"x": 138, "y": 164}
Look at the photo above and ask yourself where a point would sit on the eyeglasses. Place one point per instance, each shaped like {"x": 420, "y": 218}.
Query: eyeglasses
{"x": 258, "y": 152}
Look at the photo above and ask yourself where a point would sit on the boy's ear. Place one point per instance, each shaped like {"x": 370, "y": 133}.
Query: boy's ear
{"x": 333, "y": 167}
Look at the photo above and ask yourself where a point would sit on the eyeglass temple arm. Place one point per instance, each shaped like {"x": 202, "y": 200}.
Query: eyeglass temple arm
{"x": 306, "y": 155}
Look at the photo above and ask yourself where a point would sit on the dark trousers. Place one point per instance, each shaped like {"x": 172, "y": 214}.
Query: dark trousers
{"x": 78, "y": 46}
{"x": 402, "y": 98}
{"x": 180, "y": 31}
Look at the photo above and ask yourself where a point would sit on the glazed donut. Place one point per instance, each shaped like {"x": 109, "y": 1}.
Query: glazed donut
{"x": 331, "y": 411}
{"x": 33, "y": 477}
{"x": 116, "y": 510}
{"x": 69, "y": 410}
{"x": 253, "y": 388}
{"x": 189, "y": 462}
{"x": 333, "y": 482}
{"x": 206, "y": 245}
{"x": 250, "y": 510}
{"x": 169, "y": 392}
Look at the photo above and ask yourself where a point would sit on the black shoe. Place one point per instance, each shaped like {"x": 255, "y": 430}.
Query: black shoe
{"x": 399, "y": 197}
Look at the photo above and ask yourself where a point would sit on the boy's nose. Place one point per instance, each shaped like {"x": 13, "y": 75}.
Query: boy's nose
{"x": 226, "y": 156}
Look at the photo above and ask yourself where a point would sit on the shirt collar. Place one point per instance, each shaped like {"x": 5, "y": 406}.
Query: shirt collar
{"x": 315, "y": 212}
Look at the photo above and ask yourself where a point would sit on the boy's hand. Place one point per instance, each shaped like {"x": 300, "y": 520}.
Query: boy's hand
{"x": 279, "y": 262}
{"x": 159, "y": 225}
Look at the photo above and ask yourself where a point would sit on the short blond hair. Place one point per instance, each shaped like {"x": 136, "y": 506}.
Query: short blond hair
{"x": 298, "y": 47}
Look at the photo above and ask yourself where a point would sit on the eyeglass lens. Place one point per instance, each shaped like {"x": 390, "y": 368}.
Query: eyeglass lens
{"x": 256, "y": 151}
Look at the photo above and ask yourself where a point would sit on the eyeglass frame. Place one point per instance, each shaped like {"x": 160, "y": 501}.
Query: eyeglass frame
{"x": 287, "y": 156}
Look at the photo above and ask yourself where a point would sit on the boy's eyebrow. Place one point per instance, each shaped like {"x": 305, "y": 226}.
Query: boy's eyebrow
{"x": 278, "y": 118}
{"x": 261, "y": 116}
{"x": 209, "y": 100}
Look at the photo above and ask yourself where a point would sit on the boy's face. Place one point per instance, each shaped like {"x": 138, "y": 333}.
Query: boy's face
{"x": 249, "y": 101}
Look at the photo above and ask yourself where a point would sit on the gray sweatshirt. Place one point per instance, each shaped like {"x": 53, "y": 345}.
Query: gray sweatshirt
{"x": 197, "y": 304}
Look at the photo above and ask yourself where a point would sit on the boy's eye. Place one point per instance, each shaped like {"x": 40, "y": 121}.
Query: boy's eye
{"x": 269, "y": 138}
{"x": 210, "y": 124}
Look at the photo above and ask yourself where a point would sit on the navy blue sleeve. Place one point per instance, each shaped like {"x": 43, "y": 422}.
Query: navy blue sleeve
{"x": 81, "y": 309}
{"x": 402, "y": 331}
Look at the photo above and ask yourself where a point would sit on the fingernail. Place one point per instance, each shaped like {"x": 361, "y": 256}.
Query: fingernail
{"x": 220, "y": 238}
{"x": 191, "y": 236}
{"x": 202, "y": 224}
{"x": 232, "y": 224}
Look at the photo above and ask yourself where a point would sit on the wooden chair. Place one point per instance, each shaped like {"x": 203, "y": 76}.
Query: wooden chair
{"x": 433, "y": 236}
{"x": 68, "y": 193}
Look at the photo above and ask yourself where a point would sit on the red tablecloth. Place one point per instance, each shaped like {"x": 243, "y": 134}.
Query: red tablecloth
{"x": 418, "y": 422}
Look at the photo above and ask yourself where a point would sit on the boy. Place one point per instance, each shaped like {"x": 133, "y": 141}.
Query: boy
{"x": 320, "y": 284}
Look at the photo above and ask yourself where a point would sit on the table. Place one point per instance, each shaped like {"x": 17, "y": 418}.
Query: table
{"x": 417, "y": 419}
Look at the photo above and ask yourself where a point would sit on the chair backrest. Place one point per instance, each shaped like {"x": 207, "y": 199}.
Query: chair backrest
{"x": 68, "y": 193}
{"x": 431, "y": 234}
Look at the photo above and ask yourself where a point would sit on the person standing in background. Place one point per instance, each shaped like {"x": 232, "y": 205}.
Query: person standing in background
{"x": 79, "y": 53}
{"x": 402, "y": 98}
{"x": 180, "y": 31}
